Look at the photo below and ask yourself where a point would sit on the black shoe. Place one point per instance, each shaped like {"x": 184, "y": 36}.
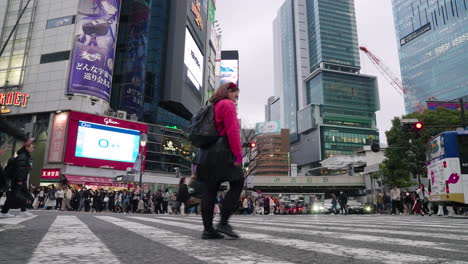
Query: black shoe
{"x": 227, "y": 230}
{"x": 211, "y": 235}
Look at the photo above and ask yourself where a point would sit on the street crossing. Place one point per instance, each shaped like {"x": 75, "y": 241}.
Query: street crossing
{"x": 135, "y": 238}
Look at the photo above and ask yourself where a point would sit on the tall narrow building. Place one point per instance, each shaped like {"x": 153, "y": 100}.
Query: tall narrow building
{"x": 326, "y": 103}
{"x": 432, "y": 40}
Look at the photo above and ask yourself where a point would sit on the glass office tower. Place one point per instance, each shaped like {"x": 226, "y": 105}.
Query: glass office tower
{"x": 336, "y": 105}
{"x": 432, "y": 40}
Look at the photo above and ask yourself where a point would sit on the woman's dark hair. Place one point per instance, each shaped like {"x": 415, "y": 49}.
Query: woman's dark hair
{"x": 223, "y": 91}
{"x": 182, "y": 180}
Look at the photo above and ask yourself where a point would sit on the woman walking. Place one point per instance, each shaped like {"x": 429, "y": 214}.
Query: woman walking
{"x": 221, "y": 162}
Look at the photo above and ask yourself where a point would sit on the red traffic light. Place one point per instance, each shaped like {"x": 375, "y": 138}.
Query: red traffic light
{"x": 252, "y": 145}
{"x": 418, "y": 125}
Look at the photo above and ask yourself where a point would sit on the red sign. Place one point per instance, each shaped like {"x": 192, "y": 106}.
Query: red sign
{"x": 96, "y": 181}
{"x": 72, "y": 159}
{"x": 50, "y": 174}
{"x": 57, "y": 140}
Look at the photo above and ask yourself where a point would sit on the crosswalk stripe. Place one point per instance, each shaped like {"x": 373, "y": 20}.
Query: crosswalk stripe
{"x": 326, "y": 248}
{"x": 352, "y": 223}
{"x": 69, "y": 240}
{"x": 438, "y": 235}
{"x": 354, "y": 220}
{"x": 208, "y": 251}
{"x": 13, "y": 221}
{"x": 340, "y": 235}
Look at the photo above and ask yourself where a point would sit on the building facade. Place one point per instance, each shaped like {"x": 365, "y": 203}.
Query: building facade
{"x": 333, "y": 109}
{"x": 271, "y": 155}
{"x": 60, "y": 60}
{"x": 432, "y": 41}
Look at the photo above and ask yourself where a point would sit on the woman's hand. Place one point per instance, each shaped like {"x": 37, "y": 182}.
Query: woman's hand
{"x": 236, "y": 164}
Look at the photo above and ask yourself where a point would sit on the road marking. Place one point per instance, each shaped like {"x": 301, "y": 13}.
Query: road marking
{"x": 207, "y": 251}
{"x": 69, "y": 240}
{"x": 346, "y": 236}
{"x": 438, "y": 235}
{"x": 325, "y": 248}
{"x": 389, "y": 225}
{"x": 12, "y": 221}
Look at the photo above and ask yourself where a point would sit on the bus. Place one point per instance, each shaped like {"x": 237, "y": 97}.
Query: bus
{"x": 447, "y": 168}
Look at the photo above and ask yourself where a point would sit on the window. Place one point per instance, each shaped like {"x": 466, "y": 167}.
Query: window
{"x": 61, "y": 21}
{"x": 56, "y": 56}
{"x": 463, "y": 149}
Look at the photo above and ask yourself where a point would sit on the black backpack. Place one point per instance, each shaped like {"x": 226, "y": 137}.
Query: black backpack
{"x": 9, "y": 170}
{"x": 202, "y": 130}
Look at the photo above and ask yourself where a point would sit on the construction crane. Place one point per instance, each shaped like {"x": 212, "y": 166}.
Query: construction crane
{"x": 393, "y": 79}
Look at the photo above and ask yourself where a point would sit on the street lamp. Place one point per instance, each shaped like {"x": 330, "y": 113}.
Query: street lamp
{"x": 143, "y": 140}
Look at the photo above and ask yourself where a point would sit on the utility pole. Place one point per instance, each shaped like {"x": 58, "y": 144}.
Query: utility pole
{"x": 462, "y": 114}
{"x": 14, "y": 28}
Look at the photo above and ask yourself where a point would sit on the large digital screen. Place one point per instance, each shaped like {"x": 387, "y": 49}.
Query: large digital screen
{"x": 103, "y": 142}
{"x": 229, "y": 71}
{"x": 193, "y": 59}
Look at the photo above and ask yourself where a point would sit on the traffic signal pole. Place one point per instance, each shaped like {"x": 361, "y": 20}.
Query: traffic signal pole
{"x": 462, "y": 114}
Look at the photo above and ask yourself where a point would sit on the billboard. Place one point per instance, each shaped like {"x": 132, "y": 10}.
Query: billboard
{"x": 193, "y": 59}
{"x": 135, "y": 58}
{"x": 92, "y": 61}
{"x": 271, "y": 127}
{"x": 229, "y": 71}
{"x": 447, "y": 105}
{"x": 99, "y": 141}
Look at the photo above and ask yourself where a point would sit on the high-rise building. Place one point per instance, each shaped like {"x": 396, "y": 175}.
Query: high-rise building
{"x": 69, "y": 61}
{"x": 160, "y": 84}
{"x": 326, "y": 103}
{"x": 272, "y": 109}
{"x": 433, "y": 47}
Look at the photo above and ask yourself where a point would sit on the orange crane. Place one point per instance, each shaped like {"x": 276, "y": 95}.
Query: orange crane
{"x": 393, "y": 79}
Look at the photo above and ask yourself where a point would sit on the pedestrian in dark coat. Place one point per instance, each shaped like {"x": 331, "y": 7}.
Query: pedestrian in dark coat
{"x": 343, "y": 200}
{"x": 19, "y": 194}
{"x": 182, "y": 195}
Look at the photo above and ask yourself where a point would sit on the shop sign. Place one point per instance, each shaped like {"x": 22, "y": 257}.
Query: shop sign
{"x": 50, "y": 174}
{"x": 57, "y": 140}
{"x": 12, "y": 99}
{"x": 196, "y": 10}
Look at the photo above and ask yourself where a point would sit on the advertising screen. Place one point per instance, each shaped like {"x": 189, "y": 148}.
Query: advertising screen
{"x": 193, "y": 59}
{"x": 229, "y": 71}
{"x": 105, "y": 142}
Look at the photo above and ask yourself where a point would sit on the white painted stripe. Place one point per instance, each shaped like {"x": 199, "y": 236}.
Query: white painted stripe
{"x": 69, "y": 240}
{"x": 347, "y": 236}
{"x": 204, "y": 250}
{"x": 14, "y": 220}
{"x": 438, "y": 235}
{"x": 325, "y": 248}
{"x": 434, "y": 228}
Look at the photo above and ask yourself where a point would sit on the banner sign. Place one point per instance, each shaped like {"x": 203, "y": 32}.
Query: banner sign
{"x": 50, "y": 174}
{"x": 270, "y": 127}
{"x": 94, "y": 48}
{"x": 415, "y": 34}
{"x": 57, "y": 140}
{"x": 447, "y": 105}
{"x": 135, "y": 59}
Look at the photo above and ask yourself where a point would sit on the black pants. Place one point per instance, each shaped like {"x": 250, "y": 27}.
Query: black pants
{"x": 396, "y": 205}
{"x": 230, "y": 201}
{"x": 58, "y": 203}
{"x": 8, "y": 202}
{"x": 165, "y": 204}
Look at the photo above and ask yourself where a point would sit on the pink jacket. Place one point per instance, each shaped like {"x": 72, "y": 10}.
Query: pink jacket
{"x": 227, "y": 125}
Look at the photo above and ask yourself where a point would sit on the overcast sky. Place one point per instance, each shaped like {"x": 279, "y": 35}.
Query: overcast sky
{"x": 247, "y": 26}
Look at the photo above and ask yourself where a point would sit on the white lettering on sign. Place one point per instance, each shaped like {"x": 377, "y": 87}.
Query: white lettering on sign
{"x": 110, "y": 121}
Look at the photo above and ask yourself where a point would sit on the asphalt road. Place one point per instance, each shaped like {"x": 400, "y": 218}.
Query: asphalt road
{"x": 71, "y": 237}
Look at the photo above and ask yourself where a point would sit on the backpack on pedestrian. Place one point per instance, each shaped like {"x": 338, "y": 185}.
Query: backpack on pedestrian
{"x": 9, "y": 170}
{"x": 202, "y": 131}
